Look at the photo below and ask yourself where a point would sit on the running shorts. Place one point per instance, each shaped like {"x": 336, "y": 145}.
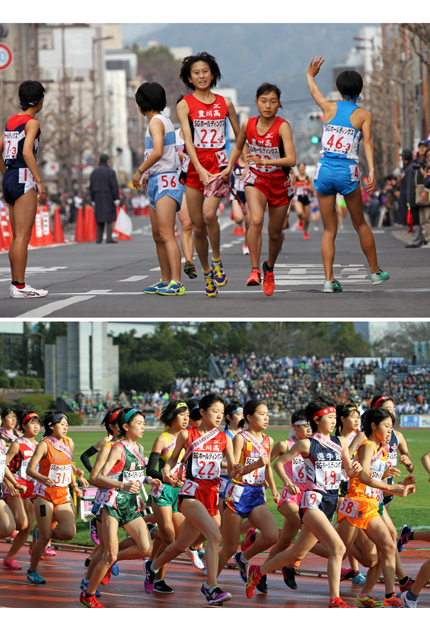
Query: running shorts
{"x": 286, "y": 497}
{"x": 28, "y": 494}
{"x": 359, "y": 512}
{"x": 387, "y": 500}
{"x": 278, "y": 191}
{"x": 161, "y": 184}
{"x": 124, "y": 508}
{"x": 223, "y": 483}
{"x": 304, "y": 200}
{"x": 314, "y": 500}
{"x": 208, "y": 495}
{"x": 57, "y": 496}
{"x": 336, "y": 176}
{"x": 168, "y": 497}
{"x": 243, "y": 499}
{"x": 17, "y": 182}
{"x": 212, "y": 161}
{"x": 343, "y": 488}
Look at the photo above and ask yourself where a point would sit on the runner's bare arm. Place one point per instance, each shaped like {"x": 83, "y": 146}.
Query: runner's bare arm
{"x": 157, "y": 129}
{"x": 299, "y": 448}
{"x": 2, "y": 164}
{"x": 236, "y": 151}
{"x": 359, "y": 439}
{"x": 181, "y": 442}
{"x": 290, "y": 153}
{"x": 365, "y": 454}
{"x": 40, "y": 452}
{"x": 405, "y": 457}
{"x": 234, "y": 470}
{"x": 13, "y": 450}
{"x": 182, "y": 112}
{"x": 279, "y": 449}
{"x": 368, "y": 150}
{"x": 31, "y": 129}
{"x": 269, "y": 475}
{"x": 101, "y": 459}
{"x": 352, "y": 468}
{"x": 103, "y": 481}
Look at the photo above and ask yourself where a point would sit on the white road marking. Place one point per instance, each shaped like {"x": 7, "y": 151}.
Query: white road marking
{"x": 48, "y": 309}
{"x": 133, "y": 279}
{"x": 99, "y": 291}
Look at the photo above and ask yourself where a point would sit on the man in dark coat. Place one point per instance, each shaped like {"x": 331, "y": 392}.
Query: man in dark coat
{"x": 104, "y": 192}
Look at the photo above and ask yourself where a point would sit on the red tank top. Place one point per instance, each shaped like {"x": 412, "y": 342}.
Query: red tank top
{"x": 207, "y": 122}
{"x": 268, "y": 147}
{"x": 204, "y": 463}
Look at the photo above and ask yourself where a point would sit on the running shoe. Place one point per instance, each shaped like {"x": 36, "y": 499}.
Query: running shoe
{"x": 300, "y": 225}
{"x": 108, "y": 576}
{"x": 10, "y": 563}
{"x": 153, "y": 288}
{"x": 245, "y": 250}
{"x": 332, "y": 287}
{"x": 368, "y": 602}
{"x": 49, "y": 551}
{"x": 289, "y": 577}
{"x": 219, "y": 274}
{"x": 215, "y": 596}
{"x": 174, "y": 288}
{"x": 407, "y": 603}
{"x": 346, "y": 574}
{"x": 26, "y": 292}
{"x": 262, "y": 585}
{"x": 249, "y": 539}
{"x": 379, "y": 278}
{"x": 202, "y": 553}
{"x": 211, "y": 287}
{"x": 161, "y": 587}
{"x": 34, "y": 577}
{"x": 305, "y": 235}
{"x": 87, "y": 562}
{"x": 254, "y": 278}
{"x": 148, "y": 583}
{"x": 338, "y": 603}
{"x": 407, "y": 585}
{"x": 251, "y": 581}
{"x": 90, "y": 601}
{"x": 242, "y": 565}
{"x": 84, "y": 586}
{"x": 93, "y": 531}
{"x": 393, "y": 602}
{"x": 358, "y": 580}
{"x": 115, "y": 569}
{"x": 269, "y": 280}
{"x": 195, "y": 559}
{"x": 404, "y": 538}
{"x": 190, "y": 270}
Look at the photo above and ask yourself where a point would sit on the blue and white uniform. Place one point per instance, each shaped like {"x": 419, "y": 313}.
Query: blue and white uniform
{"x": 163, "y": 175}
{"x": 392, "y": 454}
{"x": 323, "y": 471}
{"x": 337, "y": 168}
{"x": 183, "y": 167}
{"x": 224, "y": 479}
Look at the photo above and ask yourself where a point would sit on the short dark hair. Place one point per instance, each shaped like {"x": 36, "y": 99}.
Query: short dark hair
{"x": 251, "y": 406}
{"x": 22, "y": 415}
{"x": 343, "y": 411}
{"x": 171, "y": 411}
{"x": 209, "y": 400}
{"x": 265, "y": 88}
{"x": 317, "y": 404}
{"x": 230, "y": 408}
{"x": 188, "y": 62}
{"x": 376, "y": 416}
{"x": 151, "y": 97}
{"x": 30, "y": 93}
{"x": 6, "y": 411}
{"x": 349, "y": 83}
{"x": 106, "y": 422}
{"x": 49, "y": 417}
{"x": 298, "y": 415}
{"x": 104, "y": 158}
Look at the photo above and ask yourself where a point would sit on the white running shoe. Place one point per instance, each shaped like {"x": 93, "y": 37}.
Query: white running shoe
{"x": 26, "y": 292}
{"x": 194, "y": 555}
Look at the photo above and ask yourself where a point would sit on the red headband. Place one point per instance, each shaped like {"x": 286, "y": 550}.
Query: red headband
{"x": 378, "y": 402}
{"x": 323, "y": 412}
{"x": 28, "y": 417}
{"x": 114, "y": 416}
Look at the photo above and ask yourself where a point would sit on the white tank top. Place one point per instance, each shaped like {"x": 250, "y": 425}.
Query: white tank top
{"x": 169, "y": 161}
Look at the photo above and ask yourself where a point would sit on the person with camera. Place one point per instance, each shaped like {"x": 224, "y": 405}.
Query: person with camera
{"x": 412, "y": 184}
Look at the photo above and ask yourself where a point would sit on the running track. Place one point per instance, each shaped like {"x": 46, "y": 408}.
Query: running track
{"x": 64, "y": 573}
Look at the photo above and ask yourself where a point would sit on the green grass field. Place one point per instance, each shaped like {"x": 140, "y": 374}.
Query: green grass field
{"x": 413, "y": 510}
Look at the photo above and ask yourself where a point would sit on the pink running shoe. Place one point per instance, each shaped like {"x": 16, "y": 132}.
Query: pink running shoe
{"x": 9, "y": 563}
{"x": 49, "y": 551}
{"x": 249, "y": 539}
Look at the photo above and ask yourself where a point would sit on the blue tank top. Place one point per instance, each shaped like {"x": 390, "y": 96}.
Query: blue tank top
{"x": 340, "y": 138}
{"x": 392, "y": 453}
{"x": 323, "y": 467}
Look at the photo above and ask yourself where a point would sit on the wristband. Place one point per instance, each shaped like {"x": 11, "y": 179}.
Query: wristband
{"x": 139, "y": 171}
{"x": 145, "y": 480}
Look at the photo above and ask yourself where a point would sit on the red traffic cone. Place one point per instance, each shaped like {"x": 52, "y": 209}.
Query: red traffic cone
{"x": 46, "y": 226}
{"x": 410, "y": 221}
{"x": 5, "y": 227}
{"x": 90, "y": 225}
{"x": 177, "y": 235}
{"x": 37, "y": 239}
{"x": 3, "y": 247}
{"x": 121, "y": 235}
{"x": 58, "y": 227}
{"x": 238, "y": 231}
{"x": 80, "y": 236}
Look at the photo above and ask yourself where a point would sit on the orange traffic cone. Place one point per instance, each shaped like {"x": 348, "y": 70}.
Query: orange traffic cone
{"x": 37, "y": 239}
{"x": 46, "y": 226}
{"x": 90, "y": 225}
{"x": 3, "y": 247}
{"x": 80, "y": 236}
{"x": 5, "y": 227}
{"x": 121, "y": 235}
{"x": 58, "y": 228}
{"x": 238, "y": 231}
{"x": 177, "y": 235}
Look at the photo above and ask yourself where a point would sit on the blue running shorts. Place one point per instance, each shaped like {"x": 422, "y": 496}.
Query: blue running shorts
{"x": 243, "y": 499}
{"x": 161, "y": 184}
{"x": 17, "y": 182}
{"x": 336, "y": 176}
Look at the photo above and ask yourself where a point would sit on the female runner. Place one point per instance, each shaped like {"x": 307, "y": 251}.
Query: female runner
{"x": 8, "y": 433}
{"x": 183, "y": 214}
{"x": 7, "y": 522}
{"x": 198, "y": 497}
{"x": 234, "y": 422}
{"x": 52, "y": 467}
{"x": 345, "y": 125}
{"x": 325, "y": 455}
{"x": 302, "y": 189}
{"x": 203, "y": 116}
{"x": 18, "y": 456}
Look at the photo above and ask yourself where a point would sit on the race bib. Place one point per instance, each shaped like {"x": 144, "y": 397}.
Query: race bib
{"x": 257, "y": 476}
{"x": 209, "y": 134}
{"x": 223, "y": 483}
{"x": 337, "y": 139}
{"x": 328, "y": 474}
{"x": 299, "y": 470}
{"x": 2, "y": 464}
{"x": 222, "y": 158}
{"x": 25, "y": 176}
{"x": 167, "y": 181}
{"x": 10, "y": 146}
{"x": 134, "y": 475}
{"x": 189, "y": 488}
{"x": 249, "y": 179}
{"x": 354, "y": 172}
{"x": 22, "y": 473}
{"x": 110, "y": 498}
{"x": 185, "y": 163}
{"x": 265, "y": 153}
{"x": 234, "y": 492}
{"x": 311, "y": 500}
{"x": 317, "y": 170}
{"x": 206, "y": 465}
{"x": 349, "y": 507}
{"x": 100, "y": 494}
{"x": 61, "y": 475}
{"x": 156, "y": 492}
{"x": 391, "y": 459}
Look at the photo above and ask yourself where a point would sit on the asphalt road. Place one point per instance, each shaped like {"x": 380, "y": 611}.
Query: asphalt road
{"x": 86, "y": 280}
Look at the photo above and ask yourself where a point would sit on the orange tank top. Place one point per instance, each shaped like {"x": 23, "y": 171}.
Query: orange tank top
{"x": 57, "y": 465}
{"x": 377, "y": 467}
